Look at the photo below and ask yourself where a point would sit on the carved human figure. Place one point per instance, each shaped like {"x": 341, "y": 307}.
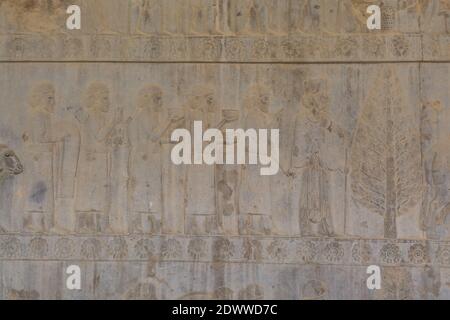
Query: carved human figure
{"x": 106, "y": 16}
{"x": 173, "y": 177}
{"x": 397, "y": 284}
{"x": 315, "y": 213}
{"x": 444, "y": 13}
{"x": 440, "y": 203}
{"x": 53, "y": 146}
{"x": 429, "y": 122}
{"x": 174, "y": 17}
{"x": 277, "y": 17}
{"x": 66, "y": 136}
{"x": 350, "y": 15}
{"x": 360, "y": 7}
{"x": 35, "y": 16}
{"x": 435, "y": 203}
{"x": 10, "y": 165}
{"x": 118, "y": 145}
{"x": 305, "y": 16}
{"x": 52, "y": 150}
{"x": 96, "y": 124}
{"x": 145, "y": 182}
{"x": 316, "y": 138}
{"x": 148, "y": 15}
{"x": 315, "y": 16}
{"x": 148, "y": 286}
{"x": 407, "y": 13}
{"x": 358, "y": 13}
{"x": 259, "y": 16}
{"x": 227, "y": 179}
{"x": 435, "y": 15}
{"x": 39, "y": 145}
{"x": 255, "y": 190}
{"x": 203, "y": 17}
{"x": 314, "y": 290}
{"x": 252, "y": 291}
{"x": 201, "y": 215}
{"x": 238, "y": 16}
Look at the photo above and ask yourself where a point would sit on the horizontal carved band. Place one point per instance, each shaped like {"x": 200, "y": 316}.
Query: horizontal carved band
{"x": 340, "y": 251}
{"x": 351, "y": 48}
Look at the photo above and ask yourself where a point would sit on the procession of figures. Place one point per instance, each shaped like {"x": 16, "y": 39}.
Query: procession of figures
{"x": 95, "y": 167}
{"x": 223, "y": 17}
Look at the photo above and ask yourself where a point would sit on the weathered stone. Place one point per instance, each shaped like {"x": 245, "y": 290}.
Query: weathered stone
{"x": 86, "y": 176}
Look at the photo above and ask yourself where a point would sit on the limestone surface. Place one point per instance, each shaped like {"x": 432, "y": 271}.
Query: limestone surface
{"x": 86, "y": 177}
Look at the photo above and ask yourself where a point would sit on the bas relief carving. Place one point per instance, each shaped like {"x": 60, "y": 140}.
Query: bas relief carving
{"x": 228, "y": 17}
{"x": 10, "y": 166}
{"x": 385, "y": 157}
{"x": 372, "y": 167}
{"x": 318, "y": 159}
{"x": 268, "y": 17}
{"x": 86, "y": 175}
{"x": 52, "y": 147}
{"x": 93, "y": 187}
{"x": 145, "y": 201}
{"x": 200, "y": 208}
{"x": 104, "y": 167}
{"x": 255, "y": 203}
{"x": 35, "y": 16}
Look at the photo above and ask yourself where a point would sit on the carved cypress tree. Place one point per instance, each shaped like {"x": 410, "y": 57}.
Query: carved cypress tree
{"x": 385, "y": 157}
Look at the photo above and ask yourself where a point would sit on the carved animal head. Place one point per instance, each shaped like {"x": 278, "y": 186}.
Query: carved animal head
{"x": 10, "y": 164}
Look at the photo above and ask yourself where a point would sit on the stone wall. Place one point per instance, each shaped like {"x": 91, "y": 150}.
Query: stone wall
{"x": 364, "y": 151}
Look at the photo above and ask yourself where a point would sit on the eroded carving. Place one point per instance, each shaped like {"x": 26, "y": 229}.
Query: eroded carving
{"x": 315, "y": 138}
{"x": 52, "y": 147}
{"x": 385, "y": 156}
{"x": 145, "y": 162}
{"x": 93, "y": 181}
{"x": 255, "y": 190}
{"x": 10, "y": 164}
{"x": 35, "y": 16}
{"x": 200, "y": 194}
